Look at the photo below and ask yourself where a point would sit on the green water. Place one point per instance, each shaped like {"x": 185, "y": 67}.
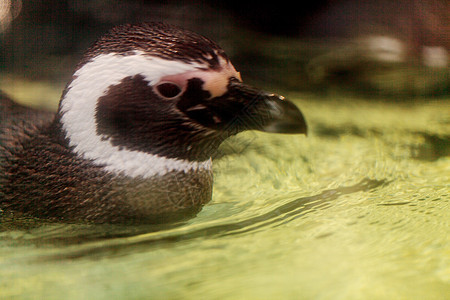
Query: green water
{"x": 359, "y": 209}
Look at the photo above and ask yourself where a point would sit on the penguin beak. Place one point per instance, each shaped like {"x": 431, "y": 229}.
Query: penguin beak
{"x": 254, "y": 109}
{"x": 242, "y": 107}
{"x": 284, "y": 116}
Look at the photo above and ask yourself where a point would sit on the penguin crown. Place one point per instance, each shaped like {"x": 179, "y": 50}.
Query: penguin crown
{"x": 159, "y": 40}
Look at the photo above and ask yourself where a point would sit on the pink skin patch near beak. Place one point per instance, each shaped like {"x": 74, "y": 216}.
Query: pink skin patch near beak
{"x": 215, "y": 81}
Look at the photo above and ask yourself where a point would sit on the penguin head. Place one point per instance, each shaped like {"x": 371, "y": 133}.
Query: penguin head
{"x": 151, "y": 98}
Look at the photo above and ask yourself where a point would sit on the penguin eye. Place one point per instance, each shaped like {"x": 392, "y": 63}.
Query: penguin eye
{"x": 168, "y": 89}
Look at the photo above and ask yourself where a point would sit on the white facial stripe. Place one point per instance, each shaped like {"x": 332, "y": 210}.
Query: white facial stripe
{"x": 78, "y": 109}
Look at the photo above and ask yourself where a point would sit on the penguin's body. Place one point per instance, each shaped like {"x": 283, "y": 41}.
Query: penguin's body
{"x": 136, "y": 127}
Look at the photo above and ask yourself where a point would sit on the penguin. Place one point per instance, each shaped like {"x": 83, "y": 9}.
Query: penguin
{"x": 136, "y": 128}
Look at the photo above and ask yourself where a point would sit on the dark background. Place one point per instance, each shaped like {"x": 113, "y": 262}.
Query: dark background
{"x": 377, "y": 48}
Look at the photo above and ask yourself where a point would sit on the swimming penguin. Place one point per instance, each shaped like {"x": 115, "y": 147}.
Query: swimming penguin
{"x": 136, "y": 127}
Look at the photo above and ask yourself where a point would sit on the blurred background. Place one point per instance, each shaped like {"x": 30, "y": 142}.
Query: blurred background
{"x": 396, "y": 50}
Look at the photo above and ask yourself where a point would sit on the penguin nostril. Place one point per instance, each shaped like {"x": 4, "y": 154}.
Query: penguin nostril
{"x": 168, "y": 89}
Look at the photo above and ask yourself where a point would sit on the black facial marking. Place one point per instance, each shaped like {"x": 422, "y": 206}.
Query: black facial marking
{"x": 132, "y": 116}
{"x": 240, "y": 108}
{"x": 157, "y": 39}
{"x": 195, "y": 103}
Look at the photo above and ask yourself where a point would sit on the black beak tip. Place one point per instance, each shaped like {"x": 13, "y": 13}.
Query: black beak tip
{"x": 287, "y": 119}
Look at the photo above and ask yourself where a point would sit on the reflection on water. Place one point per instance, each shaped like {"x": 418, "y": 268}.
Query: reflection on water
{"x": 358, "y": 210}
